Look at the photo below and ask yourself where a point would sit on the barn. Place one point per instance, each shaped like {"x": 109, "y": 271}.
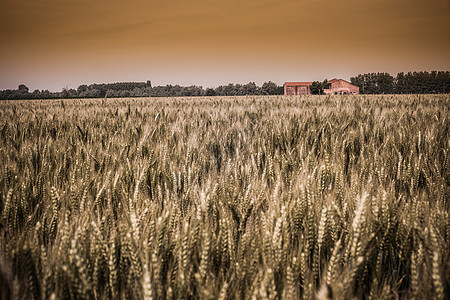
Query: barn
{"x": 340, "y": 87}
{"x": 335, "y": 87}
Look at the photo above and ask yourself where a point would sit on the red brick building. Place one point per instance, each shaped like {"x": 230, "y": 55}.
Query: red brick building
{"x": 335, "y": 87}
{"x": 297, "y": 88}
{"x": 340, "y": 87}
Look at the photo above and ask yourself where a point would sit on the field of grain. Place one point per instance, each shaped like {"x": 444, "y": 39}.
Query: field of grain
{"x": 259, "y": 197}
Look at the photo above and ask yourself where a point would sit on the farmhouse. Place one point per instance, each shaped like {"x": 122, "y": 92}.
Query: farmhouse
{"x": 334, "y": 87}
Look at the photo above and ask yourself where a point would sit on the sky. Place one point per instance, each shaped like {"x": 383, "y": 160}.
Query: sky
{"x": 55, "y": 44}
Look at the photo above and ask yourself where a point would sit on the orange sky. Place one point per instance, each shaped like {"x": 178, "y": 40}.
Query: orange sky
{"x": 51, "y": 44}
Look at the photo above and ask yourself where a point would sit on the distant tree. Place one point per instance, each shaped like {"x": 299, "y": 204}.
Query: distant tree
{"x": 443, "y": 82}
{"x": 69, "y": 93}
{"x": 111, "y": 93}
{"x": 404, "y": 83}
{"x": 250, "y": 89}
{"x": 210, "y": 92}
{"x": 325, "y": 84}
{"x": 138, "y": 92}
{"x": 92, "y": 93}
{"x": 45, "y": 94}
{"x": 269, "y": 88}
{"x": 23, "y": 89}
{"x": 384, "y": 83}
{"x": 238, "y": 89}
{"x": 399, "y": 83}
{"x": 124, "y": 93}
{"x": 374, "y": 83}
{"x": 82, "y": 89}
{"x": 65, "y": 92}
{"x": 317, "y": 87}
{"x": 280, "y": 90}
{"x": 227, "y": 90}
{"x": 358, "y": 81}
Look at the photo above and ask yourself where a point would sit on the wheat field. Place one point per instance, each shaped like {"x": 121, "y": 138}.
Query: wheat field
{"x": 258, "y": 197}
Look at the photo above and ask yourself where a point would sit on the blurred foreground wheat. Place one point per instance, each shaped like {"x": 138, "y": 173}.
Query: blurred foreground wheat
{"x": 225, "y": 198}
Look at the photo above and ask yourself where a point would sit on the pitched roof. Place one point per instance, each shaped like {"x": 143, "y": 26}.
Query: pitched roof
{"x": 338, "y": 79}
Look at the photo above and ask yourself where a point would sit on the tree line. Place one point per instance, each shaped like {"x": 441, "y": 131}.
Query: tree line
{"x": 143, "y": 89}
{"x": 404, "y": 83}
{"x": 434, "y": 82}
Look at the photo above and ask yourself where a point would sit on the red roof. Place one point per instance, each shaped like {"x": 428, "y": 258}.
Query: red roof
{"x": 336, "y": 79}
{"x": 298, "y": 83}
